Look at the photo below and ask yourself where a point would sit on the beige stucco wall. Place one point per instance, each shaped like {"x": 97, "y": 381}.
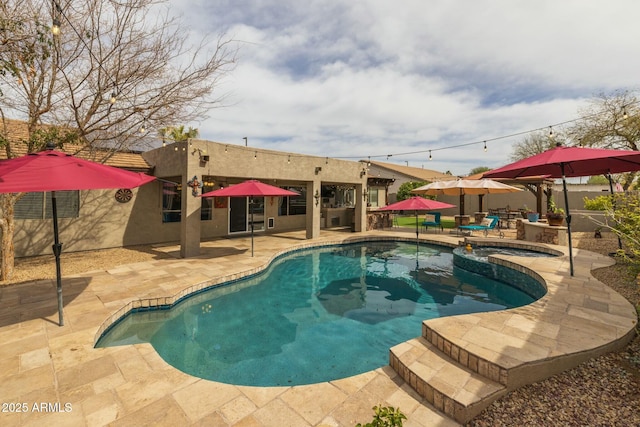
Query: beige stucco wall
{"x": 105, "y": 223}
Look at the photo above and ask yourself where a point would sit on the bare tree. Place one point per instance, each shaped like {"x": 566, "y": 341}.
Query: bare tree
{"x": 534, "y": 143}
{"x": 115, "y": 68}
{"x": 610, "y": 121}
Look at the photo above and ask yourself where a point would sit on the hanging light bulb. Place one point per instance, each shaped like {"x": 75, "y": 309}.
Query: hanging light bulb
{"x": 289, "y": 159}
{"x": 55, "y": 27}
{"x": 430, "y": 158}
{"x": 225, "y": 149}
{"x": 369, "y": 162}
{"x": 625, "y": 116}
{"x": 143, "y": 128}
{"x": 255, "y": 155}
{"x": 485, "y": 146}
{"x": 114, "y": 97}
{"x": 550, "y": 132}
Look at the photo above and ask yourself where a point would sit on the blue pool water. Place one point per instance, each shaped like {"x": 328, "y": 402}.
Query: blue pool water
{"x": 314, "y": 315}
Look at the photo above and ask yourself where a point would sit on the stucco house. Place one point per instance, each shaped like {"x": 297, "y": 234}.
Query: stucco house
{"x": 333, "y": 193}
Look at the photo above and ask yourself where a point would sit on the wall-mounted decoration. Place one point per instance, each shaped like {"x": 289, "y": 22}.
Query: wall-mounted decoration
{"x": 220, "y": 202}
{"x": 195, "y": 185}
{"x": 123, "y": 195}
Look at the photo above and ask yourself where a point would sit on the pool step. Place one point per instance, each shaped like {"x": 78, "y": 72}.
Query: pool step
{"x": 454, "y": 389}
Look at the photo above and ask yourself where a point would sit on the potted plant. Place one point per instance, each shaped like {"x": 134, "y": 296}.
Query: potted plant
{"x": 555, "y": 215}
{"x": 529, "y": 214}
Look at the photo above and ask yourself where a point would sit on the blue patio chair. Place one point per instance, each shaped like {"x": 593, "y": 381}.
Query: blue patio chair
{"x": 489, "y": 223}
{"x": 435, "y": 223}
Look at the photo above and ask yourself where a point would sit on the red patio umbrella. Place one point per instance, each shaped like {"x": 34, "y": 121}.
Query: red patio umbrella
{"x": 562, "y": 162}
{"x": 53, "y": 171}
{"x": 250, "y": 188}
{"x": 416, "y": 204}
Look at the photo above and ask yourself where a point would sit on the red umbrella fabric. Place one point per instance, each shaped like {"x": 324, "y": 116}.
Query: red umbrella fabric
{"x": 562, "y": 162}
{"x": 416, "y": 204}
{"x": 250, "y": 188}
{"x": 53, "y": 171}
{"x": 570, "y": 162}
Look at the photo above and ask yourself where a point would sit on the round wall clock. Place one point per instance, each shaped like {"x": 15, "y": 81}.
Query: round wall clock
{"x": 123, "y": 195}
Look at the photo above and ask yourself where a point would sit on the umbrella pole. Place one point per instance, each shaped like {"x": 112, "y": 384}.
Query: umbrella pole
{"x": 57, "y": 250}
{"x": 613, "y": 204}
{"x": 251, "y": 211}
{"x": 566, "y": 204}
{"x": 417, "y": 234}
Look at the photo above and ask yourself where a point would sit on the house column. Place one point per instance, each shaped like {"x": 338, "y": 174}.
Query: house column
{"x": 190, "y": 221}
{"x": 360, "y": 211}
{"x": 313, "y": 208}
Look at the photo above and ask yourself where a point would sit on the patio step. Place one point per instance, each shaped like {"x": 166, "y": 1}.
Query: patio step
{"x": 456, "y": 390}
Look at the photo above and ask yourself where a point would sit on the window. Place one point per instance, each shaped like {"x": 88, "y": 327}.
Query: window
{"x": 206, "y": 210}
{"x": 171, "y": 201}
{"x": 373, "y": 196}
{"x": 294, "y": 205}
{"x": 38, "y": 205}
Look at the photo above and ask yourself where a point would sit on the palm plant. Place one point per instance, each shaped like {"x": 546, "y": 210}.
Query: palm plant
{"x": 178, "y": 133}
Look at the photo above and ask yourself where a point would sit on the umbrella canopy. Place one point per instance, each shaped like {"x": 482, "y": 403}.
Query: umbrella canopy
{"x": 571, "y": 162}
{"x": 53, "y": 171}
{"x": 250, "y": 188}
{"x": 417, "y": 203}
{"x": 461, "y": 187}
{"x": 562, "y": 162}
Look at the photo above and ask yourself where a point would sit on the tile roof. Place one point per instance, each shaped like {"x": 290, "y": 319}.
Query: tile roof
{"x": 131, "y": 160}
{"x": 419, "y": 173}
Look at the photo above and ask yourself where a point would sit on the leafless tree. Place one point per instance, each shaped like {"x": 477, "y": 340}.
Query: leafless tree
{"x": 535, "y": 143}
{"x": 133, "y": 51}
{"x": 610, "y": 121}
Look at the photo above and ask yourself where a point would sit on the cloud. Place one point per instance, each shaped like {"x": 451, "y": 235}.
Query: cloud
{"x": 370, "y": 78}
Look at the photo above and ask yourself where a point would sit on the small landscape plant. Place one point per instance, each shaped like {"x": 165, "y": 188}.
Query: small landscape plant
{"x": 385, "y": 416}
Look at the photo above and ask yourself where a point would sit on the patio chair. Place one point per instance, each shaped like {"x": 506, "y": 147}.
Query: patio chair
{"x": 488, "y": 223}
{"x": 432, "y": 220}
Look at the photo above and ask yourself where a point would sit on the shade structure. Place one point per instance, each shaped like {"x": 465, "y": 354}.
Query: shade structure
{"x": 563, "y": 162}
{"x": 52, "y": 170}
{"x": 417, "y": 204}
{"x": 462, "y": 187}
{"x": 250, "y": 188}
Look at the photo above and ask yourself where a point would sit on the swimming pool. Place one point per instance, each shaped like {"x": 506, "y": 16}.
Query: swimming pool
{"x": 314, "y": 315}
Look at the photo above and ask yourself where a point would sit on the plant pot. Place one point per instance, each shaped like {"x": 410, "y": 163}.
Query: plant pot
{"x": 533, "y": 216}
{"x": 555, "y": 219}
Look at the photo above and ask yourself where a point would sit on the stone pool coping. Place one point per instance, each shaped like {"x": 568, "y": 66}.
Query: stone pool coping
{"x": 43, "y": 362}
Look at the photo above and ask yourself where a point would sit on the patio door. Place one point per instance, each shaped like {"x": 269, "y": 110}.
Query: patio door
{"x": 238, "y": 214}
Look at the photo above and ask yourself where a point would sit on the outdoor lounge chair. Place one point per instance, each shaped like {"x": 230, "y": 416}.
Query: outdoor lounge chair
{"x": 432, "y": 223}
{"x": 489, "y": 223}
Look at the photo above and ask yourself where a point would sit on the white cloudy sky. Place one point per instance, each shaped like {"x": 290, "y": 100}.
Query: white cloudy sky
{"x": 357, "y": 79}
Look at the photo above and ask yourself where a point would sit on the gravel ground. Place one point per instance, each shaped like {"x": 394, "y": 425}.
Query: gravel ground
{"x": 601, "y": 392}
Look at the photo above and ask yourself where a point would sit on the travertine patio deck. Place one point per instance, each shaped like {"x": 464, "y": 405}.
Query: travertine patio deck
{"x": 55, "y": 376}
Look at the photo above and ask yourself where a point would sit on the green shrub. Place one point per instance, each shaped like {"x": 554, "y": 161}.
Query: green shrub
{"x": 385, "y": 417}
{"x": 600, "y": 203}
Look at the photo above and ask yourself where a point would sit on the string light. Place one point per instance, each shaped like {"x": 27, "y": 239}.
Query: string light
{"x": 485, "y": 146}
{"x": 55, "y": 28}
{"x": 430, "y": 158}
{"x": 289, "y": 159}
{"x": 114, "y": 98}
{"x": 255, "y": 155}
{"x": 624, "y": 113}
{"x": 550, "y": 132}
{"x": 143, "y": 128}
